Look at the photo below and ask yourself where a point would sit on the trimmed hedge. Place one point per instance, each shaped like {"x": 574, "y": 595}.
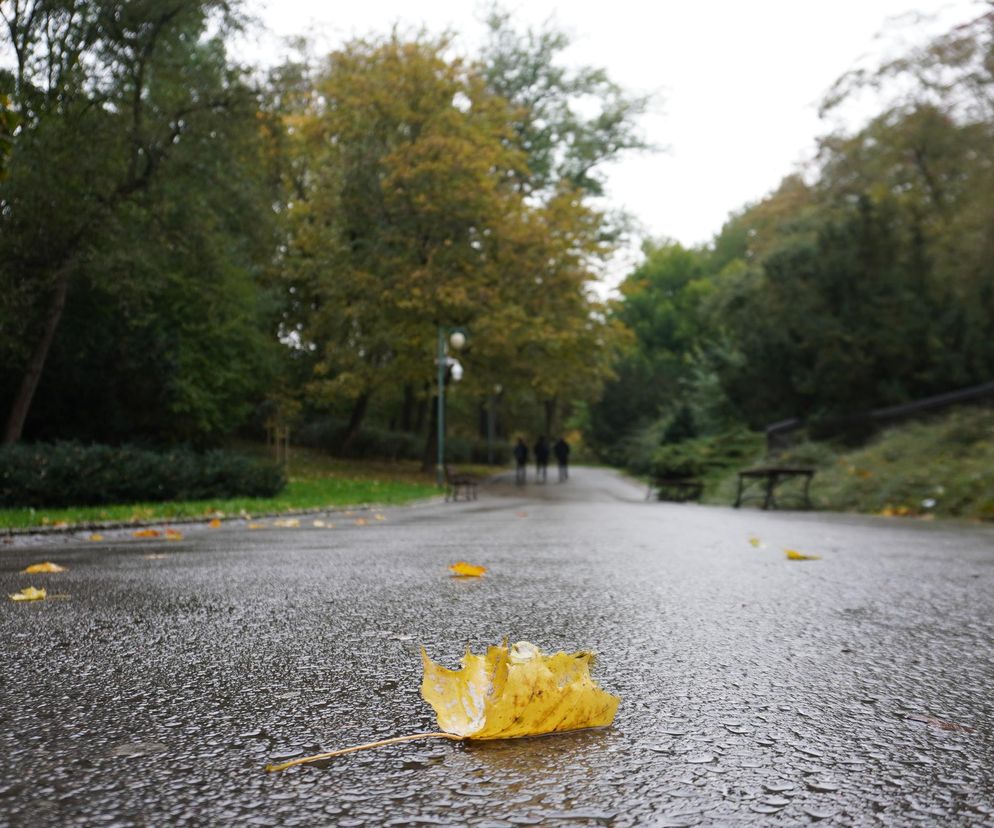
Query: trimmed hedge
{"x": 73, "y": 474}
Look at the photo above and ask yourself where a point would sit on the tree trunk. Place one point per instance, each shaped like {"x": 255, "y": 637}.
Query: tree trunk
{"x": 355, "y": 422}
{"x": 550, "y": 416}
{"x": 407, "y": 408}
{"x": 429, "y": 458}
{"x": 36, "y": 365}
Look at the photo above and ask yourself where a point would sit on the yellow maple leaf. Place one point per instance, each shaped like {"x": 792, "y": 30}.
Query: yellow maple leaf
{"x": 174, "y": 535}
{"x": 215, "y": 523}
{"x": 29, "y": 594}
{"x": 146, "y": 533}
{"x": 46, "y": 566}
{"x": 756, "y": 543}
{"x": 505, "y": 694}
{"x": 467, "y": 570}
{"x": 516, "y": 692}
{"x": 794, "y": 555}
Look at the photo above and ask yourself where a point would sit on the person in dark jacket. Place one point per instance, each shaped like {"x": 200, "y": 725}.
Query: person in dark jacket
{"x": 521, "y": 457}
{"x": 561, "y": 449}
{"x": 541, "y": 458}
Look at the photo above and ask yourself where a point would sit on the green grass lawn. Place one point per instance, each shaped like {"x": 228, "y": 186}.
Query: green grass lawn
{"x": 315, "y": 482}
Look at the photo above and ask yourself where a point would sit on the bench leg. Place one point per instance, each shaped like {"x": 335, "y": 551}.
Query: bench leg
{"x": 771, "y": 483}
{"x": 738, "y": 496}
{"x": 807, "y": 497}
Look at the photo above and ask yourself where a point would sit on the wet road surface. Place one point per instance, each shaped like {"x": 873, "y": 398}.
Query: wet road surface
{"x": 853, "y": 690}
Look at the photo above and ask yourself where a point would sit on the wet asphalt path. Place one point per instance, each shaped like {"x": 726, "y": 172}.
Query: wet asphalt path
{"x": 853, "y": 690}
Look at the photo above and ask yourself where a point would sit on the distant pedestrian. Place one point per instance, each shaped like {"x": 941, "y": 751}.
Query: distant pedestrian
{"x": 521, "y": 457}
{"x": 541, "y": 458}
{"x": 561, "y": 448}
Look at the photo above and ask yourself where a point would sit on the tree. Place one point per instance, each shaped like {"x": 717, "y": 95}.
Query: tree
{"x": 107, "y": 95}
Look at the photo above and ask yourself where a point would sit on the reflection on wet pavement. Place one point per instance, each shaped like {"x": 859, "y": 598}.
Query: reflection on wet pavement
{"x": 855, "y": 690}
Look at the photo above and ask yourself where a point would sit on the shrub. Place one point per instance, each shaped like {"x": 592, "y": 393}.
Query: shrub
{"x": 73, "y": 474}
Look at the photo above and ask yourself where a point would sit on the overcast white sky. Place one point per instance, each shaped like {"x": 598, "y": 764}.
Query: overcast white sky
{"x": 737, "y": 82}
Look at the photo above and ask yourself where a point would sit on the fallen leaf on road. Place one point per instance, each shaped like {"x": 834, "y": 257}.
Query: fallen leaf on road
{"x": 505, "y": 694}
{"x": 29, "y": 594}
{"x": 46, "y": 566}
{"x": 155, "y": 556}
{"x": 174, "y": 535}
{"x": 794, "y": 555}
{"x": 287, "y": 523}
{"x": 215, "y": 524}
{"x": 254, "y": 526}
{"x": 467, "y": 570}
{"x": 756, "y": 543}
{"x": 146, "y": 533}
{"x": 360, "y": 521}
{"x": 319, "y": 524}
{"x": 940, "y": 724}
{"x": 522, "y": 514}
{"x": 380, "y": 517}
{"x": 96, "y": 537}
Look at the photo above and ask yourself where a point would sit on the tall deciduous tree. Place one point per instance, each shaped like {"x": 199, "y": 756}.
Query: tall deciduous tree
{"x": 107, "y": 95}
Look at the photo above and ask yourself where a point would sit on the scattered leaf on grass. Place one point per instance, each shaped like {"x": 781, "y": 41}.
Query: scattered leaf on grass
{"x": 174, "y": 535}
{"x": 29, "y": 594}
{"x": 794, "y": 555}
{"x": 96, "y": 537}
{"x": 40, "y": 568}
{"x": 505, "y": 694}
{"x": 215, "y": 523}
{"x": 146, "y": 533}
{"x": 467, "y": 570}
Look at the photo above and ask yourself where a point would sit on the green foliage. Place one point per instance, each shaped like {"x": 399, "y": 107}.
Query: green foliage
{"x": 63, "y": 474}
{"x": 706, "y": 457}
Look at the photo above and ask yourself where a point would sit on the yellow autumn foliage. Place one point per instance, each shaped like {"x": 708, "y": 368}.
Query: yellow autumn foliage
{"x": 516, "y": 692}
{"x": 794, "y": 555}
{"x": 467, "y": 570}
{"x": 29, "y": 594}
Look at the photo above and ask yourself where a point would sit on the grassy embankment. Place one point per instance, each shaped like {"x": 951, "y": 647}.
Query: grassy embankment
{"x": 942, "y": 466}
{"x": 315, "y": 481}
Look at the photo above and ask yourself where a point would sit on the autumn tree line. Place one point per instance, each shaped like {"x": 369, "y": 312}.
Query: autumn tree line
{"x": 191, "y": 248}
{"x": 863, "y": 281}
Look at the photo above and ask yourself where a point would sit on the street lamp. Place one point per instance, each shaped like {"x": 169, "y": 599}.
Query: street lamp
{"x": 457, "y": 339}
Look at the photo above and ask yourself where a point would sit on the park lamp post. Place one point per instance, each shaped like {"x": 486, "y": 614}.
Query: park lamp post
{"x": 457, "y": 339}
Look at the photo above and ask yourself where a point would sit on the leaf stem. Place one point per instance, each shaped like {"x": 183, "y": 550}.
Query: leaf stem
{"x": 304, "y": 760}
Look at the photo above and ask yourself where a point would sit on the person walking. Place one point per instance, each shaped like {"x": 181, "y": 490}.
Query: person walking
{"x": 521, "y": 458}
{"x": 561, "y": 448}
{"x": 541, "y": 459}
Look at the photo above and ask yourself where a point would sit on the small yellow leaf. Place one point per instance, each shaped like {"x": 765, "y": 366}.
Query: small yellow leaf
{"x": 29, "y": 594}
{"x": 215, "y": 524}
{"x": 518, "y": 692}
{"x": 467, "y": 570}
{"x": 254, "y": 526}
{"x": 39, "y": 568}
{"x": 174, "y": 535}
{"x": 378, "y": 516}
{"x": 96, "y": 537}
{"x": 794, "y": 555}
{"x": 146, "y": 533}
{"x": 360, "y": 521}
{"x": 756, "y": 543}
{"x": 287, "y": 523}
{"x": 319, "y": 524}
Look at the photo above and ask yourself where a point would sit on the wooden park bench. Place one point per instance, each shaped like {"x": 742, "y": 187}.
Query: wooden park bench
{"x": 676, "y": 489}
{"x": 769, "y": 478}
{"x": 458, "y": 482}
